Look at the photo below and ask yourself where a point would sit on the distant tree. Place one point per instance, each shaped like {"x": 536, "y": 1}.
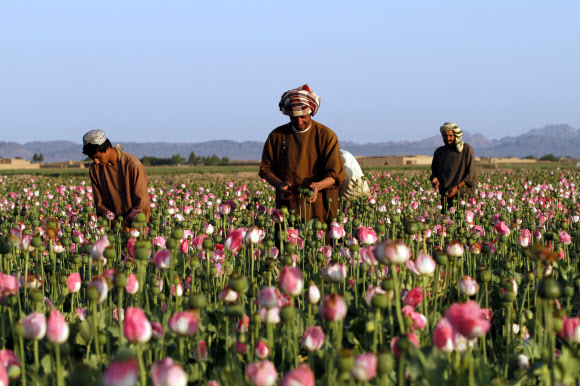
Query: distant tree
{"x": 224, "y": 161}
{"x": 192, "y": 159}
{"x": 177, "y": 159}
{"x": 213, "y": 160}
{"x": 40, "y": 158}
{"x": 530, "y": 157}
{"x": 550, "y": 157}
{"x": 35, "y": 158}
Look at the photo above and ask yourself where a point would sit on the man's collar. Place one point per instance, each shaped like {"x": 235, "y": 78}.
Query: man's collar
{"x": 300, "y": 132}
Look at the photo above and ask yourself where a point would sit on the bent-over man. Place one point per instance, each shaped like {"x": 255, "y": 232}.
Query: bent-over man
{"x": 453, "y": 169}
{"x": 118, "y": 178}
{"x": 303, "y": 153}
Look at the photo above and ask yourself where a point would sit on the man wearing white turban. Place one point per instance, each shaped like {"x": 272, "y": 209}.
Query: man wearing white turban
{"x": 453, "y": 170}
{"x": 118, "y": 178}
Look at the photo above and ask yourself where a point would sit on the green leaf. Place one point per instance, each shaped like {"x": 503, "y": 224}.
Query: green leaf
{"x": 84, "y": 334}
{"x": 46, "y": 364}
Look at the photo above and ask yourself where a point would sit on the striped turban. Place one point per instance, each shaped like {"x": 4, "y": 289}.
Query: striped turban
{"x": 457, "y": 131}
{"x": 299, "y": 101}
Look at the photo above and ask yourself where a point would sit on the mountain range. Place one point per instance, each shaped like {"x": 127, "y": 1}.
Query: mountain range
{"x": 560, "y": 140}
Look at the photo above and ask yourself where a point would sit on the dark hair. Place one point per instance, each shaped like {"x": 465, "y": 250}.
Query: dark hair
{"x": 90, "y": 149}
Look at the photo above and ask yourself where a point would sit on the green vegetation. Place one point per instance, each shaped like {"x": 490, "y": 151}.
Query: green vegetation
{"x": 177, "y": 159}
{"x": 550, "y": 157}
{"x": 37, "y": 158}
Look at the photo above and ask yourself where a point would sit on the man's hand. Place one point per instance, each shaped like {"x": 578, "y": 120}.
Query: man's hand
{"x": 452, "y": 192}
{"x": 435, "y": 183}
{"x": 285, "y": 189}
{"x": 315, "y": 186}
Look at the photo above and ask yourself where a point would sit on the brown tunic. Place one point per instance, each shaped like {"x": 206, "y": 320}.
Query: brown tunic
{"x": 120, "y": 188}
{"x": 302, "y": 158}
{"x": 451, "y": 167}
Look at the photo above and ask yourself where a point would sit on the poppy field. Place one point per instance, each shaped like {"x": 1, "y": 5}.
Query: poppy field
{"x": 219, "y": 287}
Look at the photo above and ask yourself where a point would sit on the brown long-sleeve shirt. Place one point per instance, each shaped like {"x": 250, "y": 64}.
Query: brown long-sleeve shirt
{"x": 302, "y": 158}
{"x": 451, "y": 167}
{"x": 120, "y": 188}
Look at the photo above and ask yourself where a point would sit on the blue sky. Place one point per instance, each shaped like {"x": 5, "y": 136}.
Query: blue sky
{"x": 192, "y": 71}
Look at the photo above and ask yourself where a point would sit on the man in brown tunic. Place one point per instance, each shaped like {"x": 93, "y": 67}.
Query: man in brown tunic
{"x": 118, "y": 178}
{"x": 453, "y": 169}
{"x": 303, "y": 153}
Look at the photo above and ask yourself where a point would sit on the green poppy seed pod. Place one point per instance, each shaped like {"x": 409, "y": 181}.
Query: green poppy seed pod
{"x": 270, "y": 263}
{"x": 76, "y": 239}
{"x": 484, "y": 276}
{"x": 345, "y": 360}
{"x": 235, "y": 311}
{"x": 213, "y": 271}
{"x": 530, "y": 276}
{"x": 62, "y": 280}
{"x": 528, "y": 314}
{"x": 140, "y": 218}
{"x": 199, "y": 272}
{"x": 379, "y": 301}
{"x": 92, "y": 293}
{"x": 370, "y": 326}
{"x": 239, "y": 284}
{"x": 77, "y": 259}
{"x": 142, "y": 254}
{"x": 110, "y": 253}
{"x": 354, "y": 247}
{"x": 569, "y": 291}
{"x": 289, "y": 247}
{"x": 288, "y": 313}
{"x": 207, "y": 243}
{"x": 177, "y": 234}
{"x": 197, "y": 301}
{"x": 388, "y": 284}
{"x": 385, "y": 363}
{"x": 507, "y": 265}
{"x": 549, "y": 288}
{"x": 120, "y": 280}
{"x": 557, "y": 324}
{"x": 171, "y": 243}
{"x": 102, "y": 338}
{"x": 509, "y": 297}
{"x": 36, "y": 242}
{"x": 441, "y": 259}
{"x": 380, "y": 228}
{"x": 317, "y": 225}
{"x": 284, "y": 210}
{"x": 288, "y": 261}
{"x": 19, "y": 329}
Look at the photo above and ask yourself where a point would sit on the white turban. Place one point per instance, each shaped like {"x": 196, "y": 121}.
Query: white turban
{"x": 457, "y": 131}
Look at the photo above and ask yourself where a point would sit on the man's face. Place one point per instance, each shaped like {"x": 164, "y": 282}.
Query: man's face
{"x": 448, "y": 137}
{"x": 301, "y": 123}
{"x": 100, "y": 158}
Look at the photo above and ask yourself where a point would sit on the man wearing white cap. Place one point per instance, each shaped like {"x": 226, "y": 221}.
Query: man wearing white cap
{"x": 453, "y": 170}
{"x": 118, "y": 178}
